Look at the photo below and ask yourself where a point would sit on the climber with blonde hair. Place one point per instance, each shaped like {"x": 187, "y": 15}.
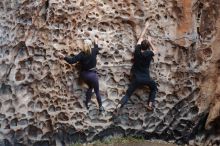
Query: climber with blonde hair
{"x": 87, "y": 60}
{"x": 143, "y": 54}
{"x": 87, "y": 46}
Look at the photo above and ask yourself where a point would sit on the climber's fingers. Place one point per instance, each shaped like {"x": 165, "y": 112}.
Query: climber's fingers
{"x": 59, "y": 55}
{"x": 147, "y": 24}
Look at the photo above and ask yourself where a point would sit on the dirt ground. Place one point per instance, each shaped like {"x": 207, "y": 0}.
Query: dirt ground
{"x": 145, "y": 143}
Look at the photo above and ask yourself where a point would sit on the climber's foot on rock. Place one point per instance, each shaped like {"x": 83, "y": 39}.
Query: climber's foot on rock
{"x": 101, "y": 109}
{"x": 150, "y": 107}
{"x": 86, "y": 105}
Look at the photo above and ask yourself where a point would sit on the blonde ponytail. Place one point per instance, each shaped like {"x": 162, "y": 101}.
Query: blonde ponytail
{"x": 87, "y": 46}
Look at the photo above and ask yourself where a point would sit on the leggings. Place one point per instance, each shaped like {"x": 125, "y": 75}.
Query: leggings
{"x": 91, "y": 79}
{"x": 137, "y": 82}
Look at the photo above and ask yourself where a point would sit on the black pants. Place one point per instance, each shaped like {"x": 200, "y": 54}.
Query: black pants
{"x": 91, "y": 79}
{"x": 138, "y": 81}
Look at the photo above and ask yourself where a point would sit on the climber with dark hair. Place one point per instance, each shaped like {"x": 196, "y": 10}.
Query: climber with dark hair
{"x": 140, "y": 70}
{"x": 87, "y": 60}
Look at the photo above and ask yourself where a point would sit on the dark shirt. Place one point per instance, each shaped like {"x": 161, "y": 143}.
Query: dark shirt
{"x": 87, "y": 61}
{"x": 142, "y": 61}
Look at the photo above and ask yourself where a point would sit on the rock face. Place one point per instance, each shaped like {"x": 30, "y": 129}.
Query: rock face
{"x": 41, "y": 100}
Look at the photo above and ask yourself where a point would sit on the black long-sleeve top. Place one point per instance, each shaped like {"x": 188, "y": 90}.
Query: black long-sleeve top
{"x": 87, "y": 61}
{"x": 142, "y": 61}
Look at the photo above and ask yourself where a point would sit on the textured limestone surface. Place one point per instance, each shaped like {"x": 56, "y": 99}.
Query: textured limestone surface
{"x": 41, "y": 99}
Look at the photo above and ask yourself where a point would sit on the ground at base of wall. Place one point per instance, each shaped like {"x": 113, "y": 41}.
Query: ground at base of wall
{"x": 126, "y": 141}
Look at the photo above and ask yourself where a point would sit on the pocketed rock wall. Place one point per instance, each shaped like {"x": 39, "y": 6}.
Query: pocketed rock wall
{"x": 41, "y": 100}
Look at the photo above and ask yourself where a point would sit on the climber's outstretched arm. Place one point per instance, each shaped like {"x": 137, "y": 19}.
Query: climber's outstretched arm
{"x": 154, "y": 49}
{"x": 70, "y": 59}
{"x": 96, "y": 40}
{"x": 142, "y": 33}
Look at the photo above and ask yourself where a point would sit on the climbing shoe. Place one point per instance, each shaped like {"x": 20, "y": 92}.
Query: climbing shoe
{"x": 150, "y": 106}
{"x": 120, "y": 106}
{"x": 101, "y": 109}
{"x": 86, "y": 104}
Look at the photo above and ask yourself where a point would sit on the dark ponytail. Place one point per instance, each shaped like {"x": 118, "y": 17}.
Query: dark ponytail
{"x": 145, "y": 45}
